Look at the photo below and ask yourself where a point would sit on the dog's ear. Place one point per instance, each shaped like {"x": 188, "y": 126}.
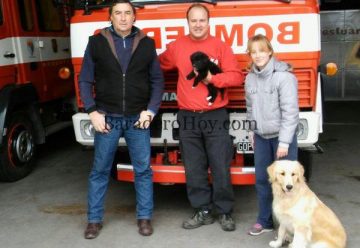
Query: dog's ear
{"x": 271, "y": 172}
{"x": 301, "y": 172}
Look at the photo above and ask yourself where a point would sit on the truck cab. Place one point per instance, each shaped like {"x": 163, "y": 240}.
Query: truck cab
{"x": 34, "y": 48}
{"x": 292, "y": 27}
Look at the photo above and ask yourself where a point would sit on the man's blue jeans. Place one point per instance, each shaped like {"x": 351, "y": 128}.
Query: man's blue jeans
{"x": 138, "y": 142}
{"x": 265, "y": 155}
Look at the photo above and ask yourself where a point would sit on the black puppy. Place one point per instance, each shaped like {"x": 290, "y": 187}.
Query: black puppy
{"x": 201, "y": 62}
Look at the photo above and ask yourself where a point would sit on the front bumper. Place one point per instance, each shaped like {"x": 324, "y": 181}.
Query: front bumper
{"x": 308, "y": 130}
{"x": 308, "y": 133}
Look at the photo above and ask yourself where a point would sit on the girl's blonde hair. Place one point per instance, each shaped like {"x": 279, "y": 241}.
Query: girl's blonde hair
{"x": 263, "y": 40}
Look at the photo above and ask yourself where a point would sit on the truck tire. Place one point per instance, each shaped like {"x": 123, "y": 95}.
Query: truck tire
{"x": 305, "y": 158}
{"x": 18, "y": 153}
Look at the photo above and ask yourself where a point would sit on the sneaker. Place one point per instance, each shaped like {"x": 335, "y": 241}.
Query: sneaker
{"x": 227, "y": 222}
{"x": 258, "y": 229}
{"x": 200, "y": 217}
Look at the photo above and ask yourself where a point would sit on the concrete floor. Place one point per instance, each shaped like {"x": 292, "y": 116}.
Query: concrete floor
{"x": 48, "y": 208}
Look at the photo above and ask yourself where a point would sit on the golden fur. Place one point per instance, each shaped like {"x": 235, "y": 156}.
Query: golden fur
{"x": 301, "y": 215}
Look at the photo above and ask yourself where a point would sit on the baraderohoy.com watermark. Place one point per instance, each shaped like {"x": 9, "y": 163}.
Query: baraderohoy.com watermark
{"x": 188, "y": 123}
{"x": 210, "y": 125}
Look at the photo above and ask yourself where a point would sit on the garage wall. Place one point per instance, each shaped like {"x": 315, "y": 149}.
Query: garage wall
{"x": 340, "y": 43}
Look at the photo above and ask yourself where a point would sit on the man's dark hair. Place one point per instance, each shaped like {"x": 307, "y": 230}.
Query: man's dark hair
{"x": 197, "y": 5}
{"x": 121, "y": 1}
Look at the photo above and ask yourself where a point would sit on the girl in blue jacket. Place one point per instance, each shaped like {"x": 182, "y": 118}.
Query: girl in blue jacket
{"x": 272, "y": 103}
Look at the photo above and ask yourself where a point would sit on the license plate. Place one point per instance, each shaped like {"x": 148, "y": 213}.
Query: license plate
{"x": 244, "y": 147}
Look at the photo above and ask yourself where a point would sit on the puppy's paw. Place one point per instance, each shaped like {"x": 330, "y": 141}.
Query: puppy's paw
{"x": 210, "y": 103}
{"x": 275, "y": 244}
{"x": 208, "y": 98}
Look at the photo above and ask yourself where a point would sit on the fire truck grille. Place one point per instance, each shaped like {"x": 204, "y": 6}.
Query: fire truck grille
{"x": 306, "y": 91}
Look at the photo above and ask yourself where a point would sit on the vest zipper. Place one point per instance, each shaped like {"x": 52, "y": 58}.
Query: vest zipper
{"x": 124, "y": 93}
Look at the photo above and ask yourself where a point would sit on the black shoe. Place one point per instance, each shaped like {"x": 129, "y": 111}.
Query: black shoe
{"x": 92, "y": 230}
{"x": 200, "y": 217}
{"x": 227, "y": 222}
{"x": 145, "y": 227}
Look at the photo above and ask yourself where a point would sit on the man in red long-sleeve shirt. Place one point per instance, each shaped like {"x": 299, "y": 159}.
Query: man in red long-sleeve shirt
{"x": 204, "y": 128}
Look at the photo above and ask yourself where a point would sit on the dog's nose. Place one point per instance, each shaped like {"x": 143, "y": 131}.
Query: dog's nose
{"x": 289, "y": 187}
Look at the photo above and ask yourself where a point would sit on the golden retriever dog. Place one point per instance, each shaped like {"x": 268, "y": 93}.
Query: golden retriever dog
{"x": 301, "y": 215}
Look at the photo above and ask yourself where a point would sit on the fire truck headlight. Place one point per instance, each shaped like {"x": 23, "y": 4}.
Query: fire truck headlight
{"x": 302, "y": 129}
{"x": 64, "y": 73}
{"x": 87, "y": 129}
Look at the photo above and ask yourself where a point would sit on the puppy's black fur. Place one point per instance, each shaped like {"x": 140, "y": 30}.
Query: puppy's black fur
{"x": 201, "y": 62}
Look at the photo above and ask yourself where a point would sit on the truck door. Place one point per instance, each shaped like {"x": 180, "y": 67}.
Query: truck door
{"x": 42, "y": 47}
{"x": 7, "y": 50}
{"x": 25, "y": 38}
{"x": 54, "y": 47}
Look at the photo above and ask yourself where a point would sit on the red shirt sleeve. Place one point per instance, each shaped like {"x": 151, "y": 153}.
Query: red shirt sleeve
{"x": 167, "y": 58}
{"x": 231, "y": 75}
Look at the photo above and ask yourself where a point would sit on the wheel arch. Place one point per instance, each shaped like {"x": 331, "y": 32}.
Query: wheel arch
{"x": 15, "y": 98}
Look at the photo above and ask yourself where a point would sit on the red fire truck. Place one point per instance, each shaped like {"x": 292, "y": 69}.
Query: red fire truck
{"x": 292, "y": 27}
{"x": 35, "y": 84}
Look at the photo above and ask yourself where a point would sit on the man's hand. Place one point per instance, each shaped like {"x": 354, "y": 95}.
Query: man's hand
{"x": 281, "y": 152}
{"x": 98, "y": 121}
{"x": 145, "y": 119}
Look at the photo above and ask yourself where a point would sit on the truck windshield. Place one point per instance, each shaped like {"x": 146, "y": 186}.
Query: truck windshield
{"x": 98, "y": 4}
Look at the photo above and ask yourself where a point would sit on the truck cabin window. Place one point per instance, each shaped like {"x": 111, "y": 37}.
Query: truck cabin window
{"x": 26, "y": 15}
{"x": 49, "y": 16}
{"x": 339, "y": 4}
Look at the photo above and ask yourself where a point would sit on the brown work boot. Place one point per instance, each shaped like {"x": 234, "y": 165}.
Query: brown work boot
{"x": 92, "y": 230}
{"x": 145, "y": 227}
